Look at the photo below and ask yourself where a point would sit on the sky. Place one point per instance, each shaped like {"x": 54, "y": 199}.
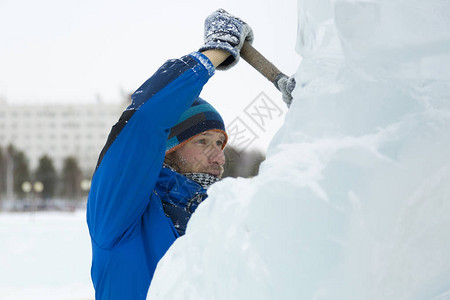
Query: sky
{"x": 85, "y": 51}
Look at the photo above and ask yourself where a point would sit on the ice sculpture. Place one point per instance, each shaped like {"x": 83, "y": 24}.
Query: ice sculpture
{"x": 353, "y": 201}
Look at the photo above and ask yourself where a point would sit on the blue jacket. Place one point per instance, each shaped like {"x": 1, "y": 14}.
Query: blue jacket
{"x": 131, "y": 194}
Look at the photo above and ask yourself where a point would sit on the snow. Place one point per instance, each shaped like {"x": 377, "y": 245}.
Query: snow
{"x": 45, "y": 256}
{"x": 353, "y": 199}
{"x": 351, "y": 203}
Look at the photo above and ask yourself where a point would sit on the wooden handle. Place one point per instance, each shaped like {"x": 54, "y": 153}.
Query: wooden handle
{"x": 261, "y": 64}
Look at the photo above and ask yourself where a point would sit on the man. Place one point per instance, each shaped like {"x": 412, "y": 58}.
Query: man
{"x": 158, "y": 161}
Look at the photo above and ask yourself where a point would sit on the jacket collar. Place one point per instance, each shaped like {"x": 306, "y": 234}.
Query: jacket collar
{"x": 177, "y": 189}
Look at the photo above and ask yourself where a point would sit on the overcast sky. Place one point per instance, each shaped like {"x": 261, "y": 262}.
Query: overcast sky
{"x": 62, "y": 51}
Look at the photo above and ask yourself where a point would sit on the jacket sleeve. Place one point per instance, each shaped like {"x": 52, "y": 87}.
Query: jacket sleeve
{"x": 130, "y": 163}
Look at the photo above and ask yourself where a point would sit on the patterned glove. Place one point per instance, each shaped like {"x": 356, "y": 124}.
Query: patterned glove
{"x": 286, "y": 85}
{"x": 226, "y": 32}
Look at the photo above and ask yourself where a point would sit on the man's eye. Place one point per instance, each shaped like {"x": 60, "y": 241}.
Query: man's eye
{"x": 202, "y": 141}
{"x": 219, "y": 143}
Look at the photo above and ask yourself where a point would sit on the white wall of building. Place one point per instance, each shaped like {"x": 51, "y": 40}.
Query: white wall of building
{"x": 58, "y": 130}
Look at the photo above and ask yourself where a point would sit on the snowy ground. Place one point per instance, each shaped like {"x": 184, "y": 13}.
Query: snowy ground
{"x": 45, "y": 255}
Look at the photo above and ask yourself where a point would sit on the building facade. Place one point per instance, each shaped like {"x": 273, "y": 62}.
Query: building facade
{"x": 58, "y": 130}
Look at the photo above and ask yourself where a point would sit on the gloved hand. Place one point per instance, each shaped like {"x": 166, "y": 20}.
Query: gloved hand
{"x": 226, "y": 32}
{"x": 286, "y": 85}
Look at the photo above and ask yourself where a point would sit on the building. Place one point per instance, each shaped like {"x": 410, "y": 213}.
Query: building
{"x": 58, "y": 130}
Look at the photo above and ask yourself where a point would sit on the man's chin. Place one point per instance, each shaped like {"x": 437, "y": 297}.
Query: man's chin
{"x": 215, "y": 174}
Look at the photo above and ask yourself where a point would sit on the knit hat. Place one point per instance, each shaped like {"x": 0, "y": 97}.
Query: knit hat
{"x": 198, "y": 118}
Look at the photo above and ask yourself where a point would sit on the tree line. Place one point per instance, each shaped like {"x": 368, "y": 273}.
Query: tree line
{"x": 67, "y": 183}
{"x": 15, "y": 171}
{"x": 242, "y": 163}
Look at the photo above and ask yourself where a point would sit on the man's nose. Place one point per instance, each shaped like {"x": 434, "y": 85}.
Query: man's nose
{"x": 217, "y": 156}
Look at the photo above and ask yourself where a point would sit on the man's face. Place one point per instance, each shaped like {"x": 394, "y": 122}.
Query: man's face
{"x": 202, "y": 154}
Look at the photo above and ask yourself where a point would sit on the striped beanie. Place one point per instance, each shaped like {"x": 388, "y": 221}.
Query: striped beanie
{"x": 198, "y": 118}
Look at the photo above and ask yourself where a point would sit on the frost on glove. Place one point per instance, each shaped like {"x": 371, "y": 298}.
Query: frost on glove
{"x": 226, "y": 32}
{"x": 286, "y": 85}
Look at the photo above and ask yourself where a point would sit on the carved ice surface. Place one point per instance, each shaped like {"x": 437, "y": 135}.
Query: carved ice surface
{"x": 353, "y": 201}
